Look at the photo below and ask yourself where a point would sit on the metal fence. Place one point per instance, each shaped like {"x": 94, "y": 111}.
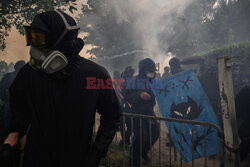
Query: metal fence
{"x": 162, "y": 160}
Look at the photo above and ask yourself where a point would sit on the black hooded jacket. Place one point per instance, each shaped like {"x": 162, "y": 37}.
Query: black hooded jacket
{"x": 139, "y": 105}
{"x": 61, "y": 112}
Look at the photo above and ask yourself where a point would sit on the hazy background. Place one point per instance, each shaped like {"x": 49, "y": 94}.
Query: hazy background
{"x": 119, "y": 33}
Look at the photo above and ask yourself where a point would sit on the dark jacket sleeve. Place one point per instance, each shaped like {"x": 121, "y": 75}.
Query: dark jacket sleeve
{"x": 18, "y": 105}
{"x": 109, "y": 109}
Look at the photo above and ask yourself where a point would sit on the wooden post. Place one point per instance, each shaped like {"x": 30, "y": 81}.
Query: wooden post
{"x": 228, "y": 107}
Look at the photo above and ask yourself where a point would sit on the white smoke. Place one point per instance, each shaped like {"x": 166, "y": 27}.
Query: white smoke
{"x": 150, "y": 18}
{"x": 128, "y": 53}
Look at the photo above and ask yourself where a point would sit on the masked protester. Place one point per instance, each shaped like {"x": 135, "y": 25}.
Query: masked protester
{"x": 175, "y": 65}
{"x": 50, "y": 94}
{"x": 142, "y": 101}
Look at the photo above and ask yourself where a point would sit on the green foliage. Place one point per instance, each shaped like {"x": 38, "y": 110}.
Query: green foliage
{"x": 242, "y": 49}
{"x": 202, "y": 27}
{"x": 21, "y": 12}
{"x": 110, "y": 36}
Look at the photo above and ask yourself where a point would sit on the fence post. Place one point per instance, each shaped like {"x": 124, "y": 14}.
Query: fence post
{"x": 228, "y": 106}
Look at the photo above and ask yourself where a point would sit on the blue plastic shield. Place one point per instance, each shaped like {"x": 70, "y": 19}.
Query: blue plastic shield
{"x": 182, "y": 96}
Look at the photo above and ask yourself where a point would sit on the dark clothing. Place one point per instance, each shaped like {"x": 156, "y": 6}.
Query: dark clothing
{"x": 144, "y": 139}
{"x": 61, "y": 112}
{"x": 145, "y": 107}
{"x": 125, "y": 133}
{"x": 242, "y": 106}
{"x": 209, "y": 82}
{"x": 175, "y": 70}
{"x": 165, "y": 75}
{"x": 244, "y": 135}
{"x": 4, "y": 95}
{"x": 126, "y": 108}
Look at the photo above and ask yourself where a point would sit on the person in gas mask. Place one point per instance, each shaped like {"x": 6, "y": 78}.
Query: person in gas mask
{"x": 4, "y": 90}
{"x": 142, "y": 102}
{"x": 50, "y": 94}
{"x": 175, "y": 65}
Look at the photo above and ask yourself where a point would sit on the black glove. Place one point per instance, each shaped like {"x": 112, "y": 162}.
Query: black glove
{"x": 9, "y": 156}
{"x": 93, "y": 159}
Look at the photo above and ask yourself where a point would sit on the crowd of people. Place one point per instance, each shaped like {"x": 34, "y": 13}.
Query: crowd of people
{"x": 139, "y": 101}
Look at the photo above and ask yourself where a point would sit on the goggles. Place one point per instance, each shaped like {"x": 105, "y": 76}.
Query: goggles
{"x": 42, "y": 39}
{"x": 37, "y": 37}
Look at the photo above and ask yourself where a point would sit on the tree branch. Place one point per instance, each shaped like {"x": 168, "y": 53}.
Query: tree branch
{"x": 16, "y": 12}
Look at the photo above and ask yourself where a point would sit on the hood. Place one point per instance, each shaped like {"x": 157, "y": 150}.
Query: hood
{"x": 51, "y": 21}
{"x": 146, "y": 65}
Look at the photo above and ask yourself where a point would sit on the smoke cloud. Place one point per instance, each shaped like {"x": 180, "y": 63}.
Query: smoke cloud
{"x": 149, "y": 19}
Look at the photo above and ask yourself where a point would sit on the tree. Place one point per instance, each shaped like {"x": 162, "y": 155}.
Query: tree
{"x": 20, "y": 12}
{"x": 203, "y": 27}
{"x": 189, "y": 36}
{"x": 110, "y": 36}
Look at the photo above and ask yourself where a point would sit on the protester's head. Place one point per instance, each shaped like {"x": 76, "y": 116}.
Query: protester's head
{"x": 128, "y": 72}
{"x": 174, "y": 62}
{"x": 175, "y": 65}
{"x": 166, "y": 69}
{"x": 53, "y": 39}
{"x": 19, "y": 65}
{"x": 147, "y": 68}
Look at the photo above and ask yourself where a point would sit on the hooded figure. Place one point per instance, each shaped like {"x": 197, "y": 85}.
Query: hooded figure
{"x": 56, "y": 103}
{"x": 142, "y": 102}
{"x": 166, "y": 72}
{"x": 175, "y": 65}
{"x": 4, "y": 91}
{"x": 128, "y": 72}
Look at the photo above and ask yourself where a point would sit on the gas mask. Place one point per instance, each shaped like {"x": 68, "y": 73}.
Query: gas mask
{"x": 53, "y": 60}
{"x": 49, "y": 62}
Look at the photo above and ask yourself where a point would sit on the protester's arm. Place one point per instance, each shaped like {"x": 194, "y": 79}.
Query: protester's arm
{"x": 134, "y": 96}
{"x": 109, "y": 109}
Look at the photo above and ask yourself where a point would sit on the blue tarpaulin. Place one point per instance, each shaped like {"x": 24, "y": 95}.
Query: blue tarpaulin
{"x": 182, "y": 96}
